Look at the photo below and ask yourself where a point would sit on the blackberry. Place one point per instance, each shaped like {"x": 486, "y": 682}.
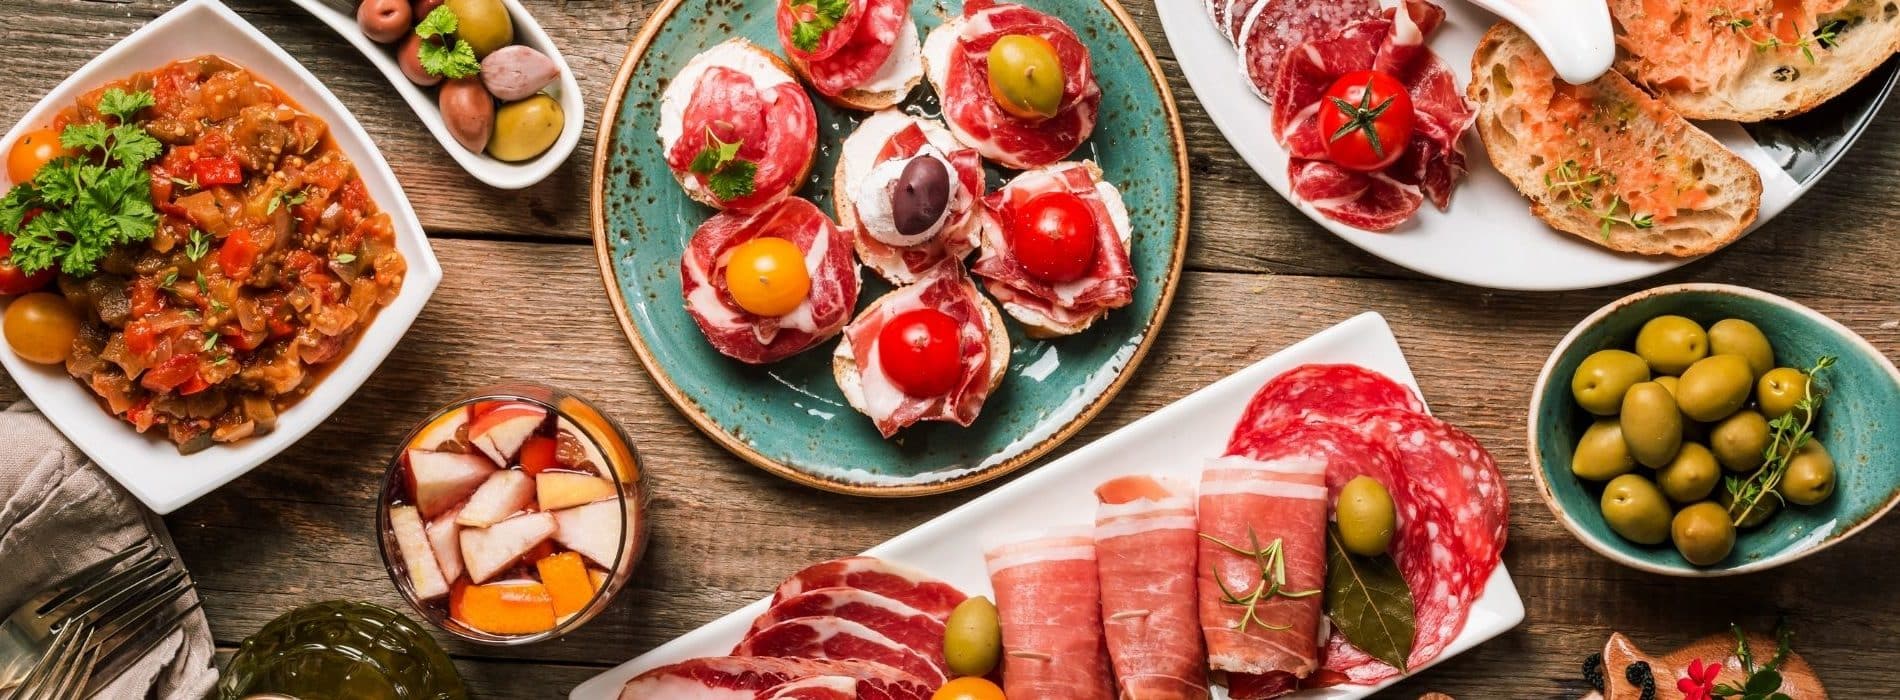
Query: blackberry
{"x": 1639, "y": 675}
{"x": 1593, "y": 671}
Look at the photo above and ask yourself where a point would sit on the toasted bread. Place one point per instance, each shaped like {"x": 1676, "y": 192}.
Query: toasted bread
{"x": 879, "y": 127}
{"x": 1712, "y": 63}
{"x": 698, "y": 191}
{"x": 911, "y": 59}
{"x": 1606, "y": 161}
{"x": 1035, "y": 324}
{"x": 844, "y": 367}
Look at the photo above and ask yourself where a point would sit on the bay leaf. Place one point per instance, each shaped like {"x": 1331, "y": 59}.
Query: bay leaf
{"x": 1369, "y": 603}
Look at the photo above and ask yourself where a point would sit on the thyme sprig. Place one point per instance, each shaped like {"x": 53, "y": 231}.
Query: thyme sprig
{"x": 1792, "y": 431}
{"x": 1272, "y": 562}
{"x": 1826, "y": 36}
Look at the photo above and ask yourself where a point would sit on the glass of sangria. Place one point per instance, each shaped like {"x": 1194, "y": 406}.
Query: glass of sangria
{"x": 513, "y": 515}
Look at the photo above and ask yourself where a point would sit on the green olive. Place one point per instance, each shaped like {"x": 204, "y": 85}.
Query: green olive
{"x": 1670, "y": 383}
{"x": 1703, "y": 533}
{"x": 526, "y": 129}
{"x": 1714, "y": 387}
{"x": 1652, "y": 426}
{"x": 484, "y": 24}
{"x": 1026, "y": 76}
{"x": 972, "y": 638}
{"x": 1740, "y": 441}
{"x": 1810, "y": 477}
{"x": 1734, "y": 336}
{"x": 1690, "y": 476}
{"x": 1366, "y": 517}
{"x": 1635, "y": 509}
{"x": 1779, "y": 390}
{"x": 1671, "y": 343}
{"x": 1765, "y": 508}
{"x": 1603, "y": 377}
{"x": 1602, "y": 454}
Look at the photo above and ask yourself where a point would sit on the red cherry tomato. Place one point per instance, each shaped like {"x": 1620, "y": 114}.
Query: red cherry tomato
{"x": 13, "y": 280}
{"x": 1367, "y": 120}
{"x": 1053, "y": 236}
{"x": 34, "y": 150}
{"x": 921, "y": 352}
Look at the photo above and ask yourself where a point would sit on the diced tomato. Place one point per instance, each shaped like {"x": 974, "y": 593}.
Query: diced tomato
{"x": 239, "y": 253}
{"x": 146, "y": 297}
{"x": 214, "y": 144}
{"x": 174, "y": 372}
{"x": 193, "y": 385}
{"x": 539, "y": 453}
{"x": 217, "y": 171}
{"x": 140, "y": 337}
{"x": 142, "y": 416}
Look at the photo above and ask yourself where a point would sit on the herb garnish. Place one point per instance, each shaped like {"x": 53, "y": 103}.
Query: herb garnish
{"x": 1634, "y": 220}
{"x": 813, "y": 23}
{"x": 345, "y": 258}
{"x": 1370, "y": 603}
{"x": 200, "y": 245}
{"x": 98, "y": 197}
{"x": 726, "y": 174}
{"x": 440, "y": 57}
{"x": 1761, "y": 682}
{"x": 1570, "y": 181}
{"x": 1272, "y": 562}
{"x": 1826, "y": 36}
{"x": 283, "y": 198}
{"x": 1792, "y": 431}
{"x": 1360, "y": 117}
{"x": 211, "y": 341}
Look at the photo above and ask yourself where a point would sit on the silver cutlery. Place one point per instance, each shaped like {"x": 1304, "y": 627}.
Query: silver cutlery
{"x": 86, "y": 630}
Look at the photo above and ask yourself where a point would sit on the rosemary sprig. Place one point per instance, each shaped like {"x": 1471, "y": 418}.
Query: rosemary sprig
{"x": 1792, "y": 431}
{"x": 1272, "y": 562}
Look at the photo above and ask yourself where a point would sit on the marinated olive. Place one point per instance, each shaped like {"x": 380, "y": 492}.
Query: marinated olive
{"x": 1810, "y": 477}
{"x": 1602, "y": 455}
{"x": 1780, "y": 390}
{"x": 383, "y": 21}
{"x": 1026, "y": 76}
{"x": 467, "y": 111}
{"x": 409, "y": 59}
{"x": 1603, "y": 377}
{"x": 41, "y": 327}
{"x": 1763, "y": 509}
{"x": 1734, "y": 336}
{"x": 1652, "y": 426}
{"x": 1671, "y": 343}
{"x": 484, "y": 24}
{"x": 972, "y": 638}
{"x": 921, "y": 195}
{"x": 1690, "y": 476}
{"x": 1714, "y": 387}
{"x": 517, "y": 72}
{"x": 1670, "y": 383}
{"x": 1366, "y": 517}
{"x": 1740, "y": 441}
{"x": 1635, "y": 509}
{"x": 1703, "y": 533}
{"x": 526, "y": 129}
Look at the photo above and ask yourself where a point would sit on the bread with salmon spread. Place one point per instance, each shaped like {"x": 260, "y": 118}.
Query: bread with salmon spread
{"x": 1604, "y": 160}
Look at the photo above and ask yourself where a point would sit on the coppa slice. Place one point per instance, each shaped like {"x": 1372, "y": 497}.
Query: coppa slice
{"x": 967, "y": 328}
{"x": 1319, "y": 392}
{"x": 743, "y": 677}
{"x": 1146, "y": 548}
{"x": 1048, "y": 601}
{"x": 902, "y": 623}
{"x": 839, "y": 639}
{"x": 910, "y": 586}
{"x": 814, "y": 688}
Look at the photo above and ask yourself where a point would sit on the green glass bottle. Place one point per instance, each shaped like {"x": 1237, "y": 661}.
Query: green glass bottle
{"x": 340, "y": 650}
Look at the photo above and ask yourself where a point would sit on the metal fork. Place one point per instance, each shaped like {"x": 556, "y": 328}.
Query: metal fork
{"x": 65, "y": 666}
{"x": 124, "y": 604}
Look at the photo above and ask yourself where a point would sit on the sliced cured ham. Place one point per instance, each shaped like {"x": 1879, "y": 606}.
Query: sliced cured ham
{"x": 856, "y": 50}
{"x": 842, "y": 640}
{"x": 1146, "y": 548}
{"x": 738, "y": 93}
{"x": 858, "y": 364}
{"x": 1320, "y": 392}
{"x": 744, "y": 677}
{"x": 1069, "y": 307}
{"x": 1268, "y": 29}
{"x": 956, "y": 60}
{"x": 863, "y": 190}
{"x": 814, "y": 688}
{"x": 1048, "y": 601}
{"x": 1249, "y": 507}
{"x": 906, "y": 625}
{"x": 895, "y": 581}
{"x": 746, "y": 336}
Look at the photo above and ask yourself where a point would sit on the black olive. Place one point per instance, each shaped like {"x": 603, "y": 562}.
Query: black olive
{"x": 921, "y": 194}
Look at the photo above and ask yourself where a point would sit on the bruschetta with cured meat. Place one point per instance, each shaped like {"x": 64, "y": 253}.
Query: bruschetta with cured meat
{"x": 1605, "y": 160}
{"x": 1017, "y": 85}
{"x": 767, "y": 284}
{"x": 858, "y": 54}
{"x": 930, "y": 351}
{"x": 909, "y": 194}
{"x": 1055, "y": 249}
{"x": 738, "y": 131}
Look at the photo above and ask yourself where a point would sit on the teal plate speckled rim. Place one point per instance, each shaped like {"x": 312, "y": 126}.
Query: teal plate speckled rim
{"x": 789, "y": 417}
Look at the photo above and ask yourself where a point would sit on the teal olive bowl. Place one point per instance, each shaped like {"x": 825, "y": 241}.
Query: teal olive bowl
{"x": 1859, "y": 424}
{"x": 789, "y": 417}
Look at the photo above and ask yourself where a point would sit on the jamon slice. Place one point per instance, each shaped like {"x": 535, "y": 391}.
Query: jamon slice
{"x": 1145, "y": 548}
{"x": 902, "y": 623}
{"x": 814, "y": 688}
{"x": 1248, "y": 505}
{"x": 743, "y": 677}
{"x": 909, "y": 586}
{"x": 1048, "y": 600}
{"x": 839, "y": 639}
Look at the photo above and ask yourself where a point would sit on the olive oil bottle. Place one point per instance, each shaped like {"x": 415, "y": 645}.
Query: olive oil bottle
{"x": 340, "y": 650}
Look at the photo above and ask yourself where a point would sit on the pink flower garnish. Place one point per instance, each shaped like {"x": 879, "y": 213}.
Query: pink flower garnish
{"x": 1699, "y": 684}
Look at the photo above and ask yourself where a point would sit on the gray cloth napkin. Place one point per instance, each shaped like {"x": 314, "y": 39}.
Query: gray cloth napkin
{"x": 58, "y": 513}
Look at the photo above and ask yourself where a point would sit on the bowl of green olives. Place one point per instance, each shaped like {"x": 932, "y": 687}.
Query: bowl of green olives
{"x": 1708, "y": 430}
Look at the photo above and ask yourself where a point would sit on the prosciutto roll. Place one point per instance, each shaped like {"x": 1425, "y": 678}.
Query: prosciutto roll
{"x": 1048, "y": 600}
{"x": 1146, "y": 548}
{"x": 1247, "y": 507}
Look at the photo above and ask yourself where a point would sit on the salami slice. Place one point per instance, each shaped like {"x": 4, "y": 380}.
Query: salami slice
{"x": 957, "y": 62}
{"x": 1319, "y": 392}
{"x": 737, "y": 93}
{"x": 1273, "y": 27}
{"x": 852, "y": 51}
{"x": 748, "y": 337}
{"x": 1451, "y": 467}
{"x": 1069, "y": 307}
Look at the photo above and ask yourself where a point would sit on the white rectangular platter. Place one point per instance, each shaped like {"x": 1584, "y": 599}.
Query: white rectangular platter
{"x": 1175, "y": 439}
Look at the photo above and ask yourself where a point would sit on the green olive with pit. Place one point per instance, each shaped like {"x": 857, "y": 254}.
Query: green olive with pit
{"x": 526, "y": 129}
{"x": 1636, "y": 509}
{"x": 1810, "y": 476}
{"x": 1025, "y": 76}
{"x": 1603, "y": 377}
{"x": 1602, "y": 454}
{"x": 972, "y": 638}
{"x": 1740, "y": 441}
{"x": 1691, "y": 476}
{"x": 1734, "y": 336}
{"x": 1668, "y": 382}
{"x": 1671, "y": 343}
{"x": 1652, "y": 426}
{"x": 484, "y": 24}
{"x": 1714, "y": 387}
{"x": 1765, "y": 507}
{"x": 1780, "y": 390}
{"x": 1366, "y": 516}
{"x": 1703, "y": 533}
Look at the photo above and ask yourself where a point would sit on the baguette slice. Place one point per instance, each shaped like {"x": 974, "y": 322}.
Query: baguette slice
{"x": 699, "y": 192}
{"x": 1708, "y": 62}
{"x": 1596, "y": 159}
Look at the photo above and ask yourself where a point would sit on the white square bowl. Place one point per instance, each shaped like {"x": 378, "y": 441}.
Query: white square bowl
{"x": 148, "y": 465}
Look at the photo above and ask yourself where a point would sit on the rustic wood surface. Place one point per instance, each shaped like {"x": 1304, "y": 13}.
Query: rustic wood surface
{"x": 1260, "y": 276}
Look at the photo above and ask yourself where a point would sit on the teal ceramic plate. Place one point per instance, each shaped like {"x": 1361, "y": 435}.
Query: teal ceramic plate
{"x": 789, "y": 417}
{"x": 1859, "y": 424}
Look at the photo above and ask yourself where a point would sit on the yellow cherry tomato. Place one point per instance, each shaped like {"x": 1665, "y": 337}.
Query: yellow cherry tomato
{"x": 1026, "y": 76}
{"x": 41, "y": 328}
{"x": 968, "y": 688}
{"x": 767, "y": 276}
{"x": 34, "y": 150}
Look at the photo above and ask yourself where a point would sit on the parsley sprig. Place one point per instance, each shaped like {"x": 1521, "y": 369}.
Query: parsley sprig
{"x": 728, "y": 176}
{"x": 441, "y": 53}
{"x": 814, "y": 22}
{"x": 79, "y": 206}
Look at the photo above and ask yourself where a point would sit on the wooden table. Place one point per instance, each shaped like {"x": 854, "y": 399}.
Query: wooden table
{"x": 522, "y": 298}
